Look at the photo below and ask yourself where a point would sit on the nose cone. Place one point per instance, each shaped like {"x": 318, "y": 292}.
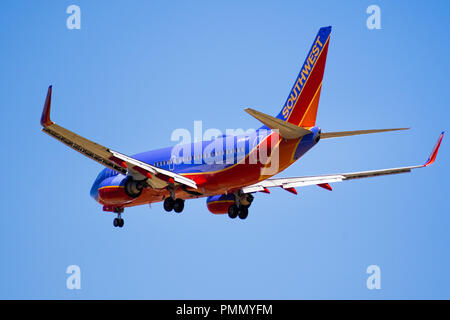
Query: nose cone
{"x": 96, "y": 185}
{"x": 94, "y": 191}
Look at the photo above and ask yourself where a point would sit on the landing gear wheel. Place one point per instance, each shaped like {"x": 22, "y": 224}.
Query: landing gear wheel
{"x": 243, "y": 212}
{"x": 233, "y": 211}
{"x": 169, "y": 204}
{"x": 118, "y": 222}
{"x": 178, "y": 205}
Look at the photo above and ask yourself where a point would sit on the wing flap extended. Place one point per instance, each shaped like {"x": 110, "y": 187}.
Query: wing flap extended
{"x": 286, "y": 183}
{"x": 161, "y": 173}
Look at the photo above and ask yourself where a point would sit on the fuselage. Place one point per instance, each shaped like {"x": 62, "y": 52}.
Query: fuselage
{"x": 229, "y": 169}
{"x": 219, "y": 166}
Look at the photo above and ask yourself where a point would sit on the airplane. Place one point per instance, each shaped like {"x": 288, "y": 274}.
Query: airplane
{"x": 229, "y": 169}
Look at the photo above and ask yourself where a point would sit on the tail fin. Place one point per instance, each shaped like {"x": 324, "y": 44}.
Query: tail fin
{"x": 301, "y": 105}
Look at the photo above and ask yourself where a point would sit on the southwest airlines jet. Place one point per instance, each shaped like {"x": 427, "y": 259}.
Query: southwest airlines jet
{"x": 229, "y": 169}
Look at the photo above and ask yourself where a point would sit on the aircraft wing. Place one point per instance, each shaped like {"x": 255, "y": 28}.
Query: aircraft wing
{"x": 323, "y": 180}
{"x": 112, "y": 159}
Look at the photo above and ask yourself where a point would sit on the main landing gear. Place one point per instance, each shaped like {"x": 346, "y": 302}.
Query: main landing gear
{"x": 118, "y": 222}
{"x": 170, "y": 203}
{"x": 240, "y": 206}
{"x": 176, "y": 205}
{"x": 235, "y": 211}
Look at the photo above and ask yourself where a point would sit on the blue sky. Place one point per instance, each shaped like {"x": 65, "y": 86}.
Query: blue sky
{"x": 138, "y": 70}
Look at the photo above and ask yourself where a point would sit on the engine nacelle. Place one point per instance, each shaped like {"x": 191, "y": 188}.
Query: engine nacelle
{"x": 133, "y": 188}
{"x": 219, "y": 204}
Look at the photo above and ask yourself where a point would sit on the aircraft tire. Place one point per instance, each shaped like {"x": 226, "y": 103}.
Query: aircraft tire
{"x": 243, "y": 212}
{"x": 178, "y": 205}
{"x": 169, "y": 204}
{"x": 233, "y": 211}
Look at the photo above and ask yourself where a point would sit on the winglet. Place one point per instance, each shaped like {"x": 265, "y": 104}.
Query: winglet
{"x": 45, "y": 118}
{"x": 435, "y": 150}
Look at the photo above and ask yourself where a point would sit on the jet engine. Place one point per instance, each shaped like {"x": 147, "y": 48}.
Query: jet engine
{"x": 220, "y": 204}
{"x": 133, "y": 188}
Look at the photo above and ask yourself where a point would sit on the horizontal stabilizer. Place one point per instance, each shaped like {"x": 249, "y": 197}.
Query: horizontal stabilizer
{"x": 285, "y": 129}
{"x": 326, "y": 135}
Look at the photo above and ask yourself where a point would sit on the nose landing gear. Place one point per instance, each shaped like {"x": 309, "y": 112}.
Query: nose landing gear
{"x": 118, "y": 222}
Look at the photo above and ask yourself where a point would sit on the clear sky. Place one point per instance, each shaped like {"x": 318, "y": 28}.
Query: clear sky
{"x": 137, "y": 70}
